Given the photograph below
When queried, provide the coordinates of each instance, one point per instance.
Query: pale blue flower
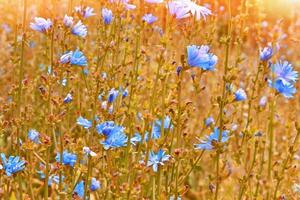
(209, 121)
(95, 184)
(79, 29)
(285, 88)
(78, 58)
(79, 189)
(41, 24)
(34, 136)
(112, 95)
(54, 179)
(199, 56)
(284, 70)
(187, 8)
(68, 21)
(240, 95)
(157, 159)
(84, 122)
(13, 165)
(156, 128)
(149, 18)
(154, 1)
(65, 58)
(88, 12)
(68, 98)
(263, 101)
(136, 138)
(266, 53)
(107, 16)
(67, 158)
(87, 151)
(114, 135)
(207, 143)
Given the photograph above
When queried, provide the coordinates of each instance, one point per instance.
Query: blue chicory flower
(209, 121)
(199, 56)
(79, 29)
(114, 135)
(67, 158)
(13, 165)
(78, 58)
(68, 21)
(34, 136)
(240, 95)
(107, 16)
(84, 122)
(149, 18)
(112, 95)
(95, 184)
(68, 98)
(157, 159)
(266, 53)
(79, 189)
(41, 24)
(207, 143)
(287, 89)
(284, 70)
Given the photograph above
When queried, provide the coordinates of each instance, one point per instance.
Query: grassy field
(149, 99)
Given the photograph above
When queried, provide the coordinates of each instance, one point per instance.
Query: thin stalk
(287, 161)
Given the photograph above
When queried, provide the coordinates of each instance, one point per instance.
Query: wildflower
(285, 71)
(207, 143)
(65, 58)
(85, 13)
(68, 98)
(149, 18)
(79, 189)
(156, 128)
(64, 82)
(266, 53)
(13, 165)
(285, 88)
(125, 3)
(124, 93)
(112, 95)
(79, 29)
(209, 121)
(199, 56)
(88, 12)
(154, 1)
(135, 139)
(41, 24)
(263, 101)
(54, 179)
(67, 158)
(84, 122)
(240, 95)
(95, 184)
(114, 135)
(34, 136)
(89, 152)
(186, 8)
(107, 16)
(68, 21)
(157, 159)
(78, 58)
